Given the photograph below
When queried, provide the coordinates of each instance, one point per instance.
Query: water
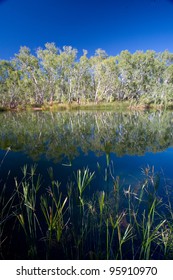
(111, 144)
(68, 141)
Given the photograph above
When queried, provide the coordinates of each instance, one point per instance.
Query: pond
(119, 150)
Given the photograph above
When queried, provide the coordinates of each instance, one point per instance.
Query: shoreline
(118, 105)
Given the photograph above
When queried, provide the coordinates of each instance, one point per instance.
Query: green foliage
(27, 192)
(58, 75)
(140, 229)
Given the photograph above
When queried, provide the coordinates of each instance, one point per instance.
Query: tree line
(54, 75)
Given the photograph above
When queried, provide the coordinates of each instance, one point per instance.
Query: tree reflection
(62, 134)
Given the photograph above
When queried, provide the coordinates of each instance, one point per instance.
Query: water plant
(58, 222)
(6, 214)
(27, 191)
(83, 179)
(53, 209)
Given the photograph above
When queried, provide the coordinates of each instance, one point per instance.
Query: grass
(6, 214)
(140, 105)
(27, 191)
(83, 179)
(58, 224)
(91, 106)
(118, 105)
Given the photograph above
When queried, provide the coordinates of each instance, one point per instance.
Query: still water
(122, 149)
(109, 143)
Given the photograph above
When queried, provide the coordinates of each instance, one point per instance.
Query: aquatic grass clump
(150, 231)
(27, 190)
(57, 222)
(113, 230)
(83, 179)
(7, 213)
(145, 215)
(6, 207)
(53, 209)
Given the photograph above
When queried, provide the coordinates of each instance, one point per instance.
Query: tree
(51, 69)
(67, 60)
(56, 75)
(81, 80)
(9, 84)
(32, 75)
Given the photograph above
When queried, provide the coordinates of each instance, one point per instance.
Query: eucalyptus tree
(57, 75)
(32, 75)
(141, 67)
(4, 65)
(167, 77)
(109, 80)
(67, 60)
(81, 79)
(51, 69)
(141, 76)
(129, 79)
(153, 76)
(97, 71)
(10, 85)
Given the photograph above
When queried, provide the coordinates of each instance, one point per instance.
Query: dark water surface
(127, 142)
(123, 147)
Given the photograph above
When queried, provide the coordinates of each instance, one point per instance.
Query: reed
(101, 201)
(53, 207)
(72, 225)
(6, 214)
(27, 191)
(83, 179)
(123, 238)
(151, 234)
(115, 231)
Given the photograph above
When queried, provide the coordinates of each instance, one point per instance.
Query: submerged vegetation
(126, 223)
(57, 76)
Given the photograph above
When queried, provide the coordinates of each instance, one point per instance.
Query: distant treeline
(58, 75)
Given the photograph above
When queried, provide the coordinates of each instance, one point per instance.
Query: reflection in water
(62, 134)
(119, 149)
(108, 142)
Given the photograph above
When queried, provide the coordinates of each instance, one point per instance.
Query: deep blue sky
(112, 25)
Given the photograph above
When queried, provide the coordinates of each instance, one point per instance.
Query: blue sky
(113, 25)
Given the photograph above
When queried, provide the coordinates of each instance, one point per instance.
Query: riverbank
(117, 105)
